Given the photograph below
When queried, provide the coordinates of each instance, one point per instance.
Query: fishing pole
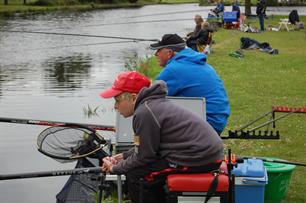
(78, 45)
(76, 171)
(168, 13)
(55, 123)
(271, 121)
(122, 23)
(79, 35)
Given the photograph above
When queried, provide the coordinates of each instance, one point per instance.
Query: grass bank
(257, 82)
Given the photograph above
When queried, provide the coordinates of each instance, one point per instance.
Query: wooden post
(24, 1)
(5, 2)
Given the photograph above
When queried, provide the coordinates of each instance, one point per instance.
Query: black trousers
(143, 191)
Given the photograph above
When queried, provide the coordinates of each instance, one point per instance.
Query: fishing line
(79, 35)
(91, 44)
(123, 23)
(168, 13)
(79, 45)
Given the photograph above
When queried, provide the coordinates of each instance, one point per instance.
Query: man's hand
(107, 165)
(110, 162)
(117, 158)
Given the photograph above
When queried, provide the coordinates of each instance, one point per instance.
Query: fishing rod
(169, 13)
(67, 143)
(271, 121)
(122, 23)
(283, 109)
(79, 35)
(55, 123)
(76, 171)
(77, 45)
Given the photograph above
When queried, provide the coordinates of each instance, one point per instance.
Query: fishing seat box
(251, 178)
(192, 188)
(229, 17)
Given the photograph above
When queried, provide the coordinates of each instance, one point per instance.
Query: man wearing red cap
(166, 137)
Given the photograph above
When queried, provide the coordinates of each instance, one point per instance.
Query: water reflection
(67, 73)
(1, 81)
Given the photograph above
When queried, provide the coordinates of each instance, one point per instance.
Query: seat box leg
(171, 198)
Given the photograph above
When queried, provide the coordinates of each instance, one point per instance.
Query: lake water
(50, 77)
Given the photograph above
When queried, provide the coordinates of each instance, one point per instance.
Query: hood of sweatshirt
(157, 90)
(189, 55)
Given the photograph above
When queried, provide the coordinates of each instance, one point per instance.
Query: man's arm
(146, 150)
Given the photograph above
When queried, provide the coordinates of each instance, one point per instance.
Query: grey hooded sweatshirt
(164, 130)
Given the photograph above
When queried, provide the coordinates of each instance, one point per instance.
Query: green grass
(147, 66)
(15, 2)
(259, 81)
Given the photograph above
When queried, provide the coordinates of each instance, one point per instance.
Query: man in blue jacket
(187, 74)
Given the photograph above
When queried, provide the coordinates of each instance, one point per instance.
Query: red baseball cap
(130, 81)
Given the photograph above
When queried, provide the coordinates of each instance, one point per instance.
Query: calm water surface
(48, 77)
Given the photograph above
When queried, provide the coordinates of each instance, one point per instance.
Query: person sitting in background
(192, 36)
(236, 8)
(202, 38)
(219, 10)
(294, 17)
(198, 21)
(188, 75)
(167, 138)
(205, 39)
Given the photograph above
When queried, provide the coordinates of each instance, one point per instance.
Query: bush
(44, 3)
(71, 2)
(132, 1)
(272, 2)
(55, 2)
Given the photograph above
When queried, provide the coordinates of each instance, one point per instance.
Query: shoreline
(12, 9)
(30, 9)
(20, 9)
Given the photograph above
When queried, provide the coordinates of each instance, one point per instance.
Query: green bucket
(279, 176)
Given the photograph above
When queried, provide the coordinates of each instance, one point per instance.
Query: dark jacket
(219, 8)
(248, 43)
(261, 8)
(236, 7)
(165, 130)
(201, 38)
(195, 32)
(294, 17)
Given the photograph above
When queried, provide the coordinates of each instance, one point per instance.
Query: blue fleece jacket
(187, 74)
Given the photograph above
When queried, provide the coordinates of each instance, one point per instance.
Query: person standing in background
(261, 12)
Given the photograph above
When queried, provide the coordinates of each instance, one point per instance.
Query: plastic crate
(250, 181)
(229, 17)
